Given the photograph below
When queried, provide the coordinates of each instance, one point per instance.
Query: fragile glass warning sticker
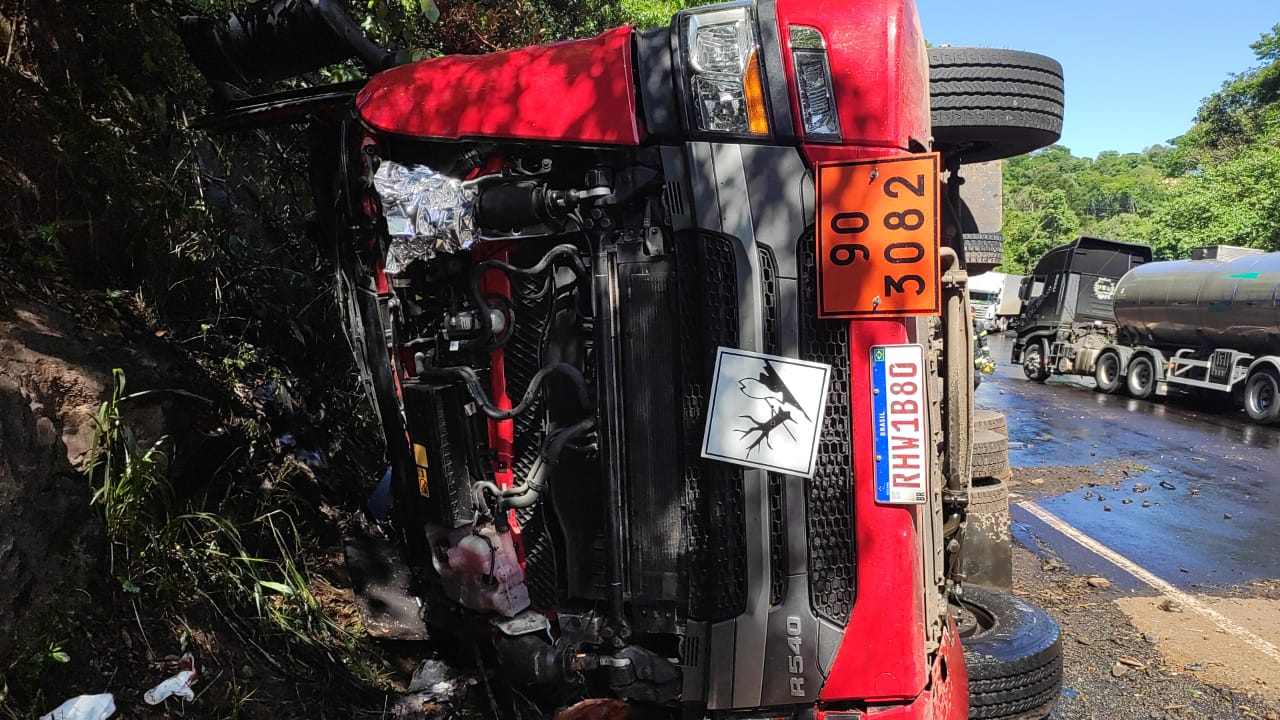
(766, 411)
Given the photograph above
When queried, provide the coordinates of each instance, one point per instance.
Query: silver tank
(1222, 298)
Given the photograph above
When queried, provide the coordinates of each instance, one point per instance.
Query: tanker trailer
(1210, 323)
(1066, 316)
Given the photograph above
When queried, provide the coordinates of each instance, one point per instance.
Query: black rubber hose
(566, 249)
(539, 475)
(472, 380)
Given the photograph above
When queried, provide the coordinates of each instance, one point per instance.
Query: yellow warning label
(420, 459)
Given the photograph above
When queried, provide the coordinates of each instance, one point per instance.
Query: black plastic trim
(655, 80)
(775, 75)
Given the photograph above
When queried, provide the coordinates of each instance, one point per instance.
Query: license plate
(900, 415)
(877, 237)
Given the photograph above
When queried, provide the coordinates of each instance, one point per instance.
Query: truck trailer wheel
(990, 458)
(1262, 396)
(1013, 652)
(988, 104)
(1106, 372)
(1141, 380)
(1033, 356)
(984, 419)
(983, 252)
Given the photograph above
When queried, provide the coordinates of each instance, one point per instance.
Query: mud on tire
(1013, 654)
(990, 455)
(989, 104)
(984, 419)
(983, 252)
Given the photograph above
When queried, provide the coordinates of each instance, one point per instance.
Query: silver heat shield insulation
(427, 213)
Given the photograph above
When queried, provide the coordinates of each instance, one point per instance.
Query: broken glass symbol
(780, 401)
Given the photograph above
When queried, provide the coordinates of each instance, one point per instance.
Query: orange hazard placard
(877, 235)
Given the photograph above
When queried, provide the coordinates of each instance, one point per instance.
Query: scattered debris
(1126, 501)
(1141, 487)
(434, 688)
(1195, 491)
(1153, 639)
(1168, 485)
(436, 679)
(1146, 503)
(176, 686)
(1193, 667)
(85, 707)
(1170, 605)
(1037, 481)
(1132, 662)
(1226, 516)
(1106, 508)
(1099, 582)
(596, 709)
(1120, 669)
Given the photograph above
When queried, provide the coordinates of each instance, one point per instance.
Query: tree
(1036, 221)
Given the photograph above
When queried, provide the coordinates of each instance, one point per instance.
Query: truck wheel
(987, 552)
(1106, 372)
(1033, 366)
(1141, 380)
(1013, 652)
(990, 457)
(1262, 396)
(984, 419)
(983, 252)
(989, 104)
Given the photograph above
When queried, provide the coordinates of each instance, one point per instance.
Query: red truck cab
(594, 285)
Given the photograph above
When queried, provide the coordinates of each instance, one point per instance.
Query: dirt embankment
(55, 372)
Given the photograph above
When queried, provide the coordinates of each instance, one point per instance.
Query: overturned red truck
(669, 337)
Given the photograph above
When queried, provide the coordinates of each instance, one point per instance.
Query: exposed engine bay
(538, 370)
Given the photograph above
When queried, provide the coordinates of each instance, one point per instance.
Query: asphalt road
(1177, 508)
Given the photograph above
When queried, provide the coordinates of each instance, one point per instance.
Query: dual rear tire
(1262, 396)
(1139, 380)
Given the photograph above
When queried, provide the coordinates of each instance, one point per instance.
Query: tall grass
(248, 571)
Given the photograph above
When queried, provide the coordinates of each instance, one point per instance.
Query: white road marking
(1164, 588)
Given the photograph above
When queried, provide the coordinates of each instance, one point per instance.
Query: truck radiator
(830, 493)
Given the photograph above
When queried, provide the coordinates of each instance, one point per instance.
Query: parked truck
(1210, 324)
(1067, 315)
(1009, 307)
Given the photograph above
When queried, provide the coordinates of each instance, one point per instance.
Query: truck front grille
(714, 517)
(829, 494)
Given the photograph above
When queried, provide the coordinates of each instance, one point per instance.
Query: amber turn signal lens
(753, 87)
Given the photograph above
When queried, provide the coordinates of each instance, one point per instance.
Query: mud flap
(384, 589)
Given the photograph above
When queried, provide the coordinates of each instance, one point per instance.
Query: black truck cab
(1067, 303)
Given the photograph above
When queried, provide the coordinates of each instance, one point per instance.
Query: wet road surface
(1177, 505)
(1200, 467)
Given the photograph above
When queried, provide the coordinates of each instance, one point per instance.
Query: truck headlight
(813, 81)
(721, 55)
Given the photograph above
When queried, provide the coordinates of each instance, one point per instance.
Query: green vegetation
(1217, 184)
(114, 210)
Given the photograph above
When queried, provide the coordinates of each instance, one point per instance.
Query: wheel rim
(1107, 371)
(1032, 360)
(1263, 398)
(1141, 373)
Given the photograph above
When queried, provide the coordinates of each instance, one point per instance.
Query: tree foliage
(1217, 184)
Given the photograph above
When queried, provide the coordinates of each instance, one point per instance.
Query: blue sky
(1136, 70)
